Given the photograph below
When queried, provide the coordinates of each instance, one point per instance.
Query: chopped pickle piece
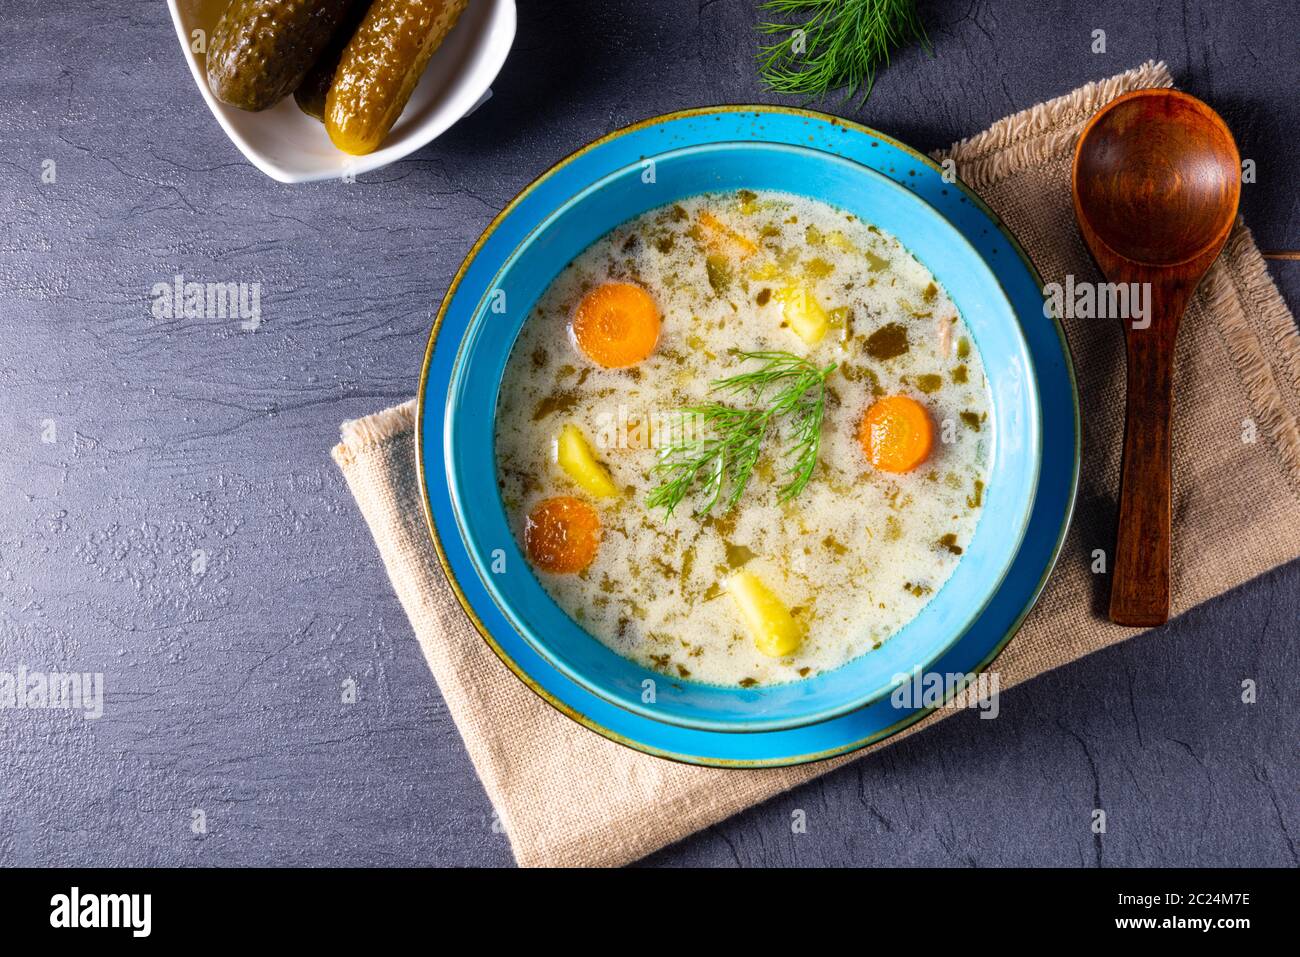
(841, 321)
(863, 374)
(719, 272)
(808, 320)
(929, 382)
(774, 630)
(835, 545)
(887, 342)
(574, 455)
(949, 542)
(561, 401)
(738, 555)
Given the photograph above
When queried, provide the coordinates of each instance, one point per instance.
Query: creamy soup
(785, 523)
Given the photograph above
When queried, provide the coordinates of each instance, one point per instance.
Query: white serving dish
(289, 146)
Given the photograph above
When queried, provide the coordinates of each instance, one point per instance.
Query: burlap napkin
(569, 797)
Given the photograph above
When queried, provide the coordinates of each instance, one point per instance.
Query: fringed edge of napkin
(1026, 138)
(1255, 321)
(357, 436)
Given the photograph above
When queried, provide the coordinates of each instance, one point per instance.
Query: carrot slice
(720, 231)
(561, 534)
(616, 325)
(896, 434)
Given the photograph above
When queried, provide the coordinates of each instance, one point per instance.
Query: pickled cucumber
(315, 86)
(261, 49)
(380, 67)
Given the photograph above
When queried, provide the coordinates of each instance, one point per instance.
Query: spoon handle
(1140, 584)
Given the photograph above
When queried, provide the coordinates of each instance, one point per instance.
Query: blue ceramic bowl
(622, 195)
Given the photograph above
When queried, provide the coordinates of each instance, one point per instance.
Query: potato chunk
(769, 622)
(575, 456)
(804, 313)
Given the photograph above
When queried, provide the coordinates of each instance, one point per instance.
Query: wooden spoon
(1156, 182)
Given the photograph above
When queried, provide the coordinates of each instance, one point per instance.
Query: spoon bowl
(1157, 178)
(1156, 182)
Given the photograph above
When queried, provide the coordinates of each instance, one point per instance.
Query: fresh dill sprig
(784, 387)
(834, 44)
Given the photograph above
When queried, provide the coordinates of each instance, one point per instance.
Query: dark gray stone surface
(172, 438)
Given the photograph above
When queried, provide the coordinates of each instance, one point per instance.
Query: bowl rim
(530, 632)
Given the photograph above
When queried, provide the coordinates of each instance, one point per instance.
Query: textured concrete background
(194, 435)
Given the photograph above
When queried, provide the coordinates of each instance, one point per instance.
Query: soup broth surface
(859, 551)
